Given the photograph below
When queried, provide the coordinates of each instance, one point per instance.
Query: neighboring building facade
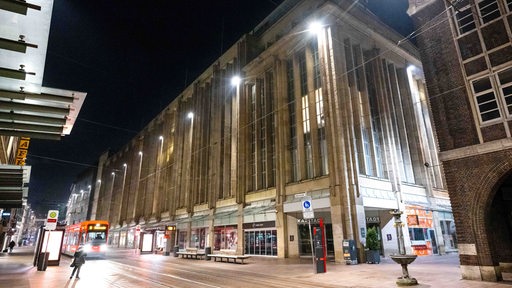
(467, 54)
(27, 109)
(79, 204)
(339, 115)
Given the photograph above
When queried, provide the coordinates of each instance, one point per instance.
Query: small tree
(372, 240)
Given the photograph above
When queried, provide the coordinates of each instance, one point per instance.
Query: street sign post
(51, 220)
(307, 208)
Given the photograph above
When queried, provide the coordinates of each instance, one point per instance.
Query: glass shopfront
(261, 242)
(260, 238)
(182, 239)
(198, 238)
(122, 239)
(305, 237)
(130, 239)
(225, 237)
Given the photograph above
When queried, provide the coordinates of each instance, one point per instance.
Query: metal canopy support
(17, 46)
(14, 74)
(17, 6)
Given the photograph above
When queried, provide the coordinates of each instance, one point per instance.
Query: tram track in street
(199, 275)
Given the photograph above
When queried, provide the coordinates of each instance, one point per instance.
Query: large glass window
(261, 242)
(464, 16)
(262, 183)
(419, 234)
(271, 122)
(486, 99)
(320, 116)
(489, 10)
(303, 73)
(292, 119)
(305, 238)
(251, 161)
(198, 238)
(225, 237)
(505, 80)
(182, 239)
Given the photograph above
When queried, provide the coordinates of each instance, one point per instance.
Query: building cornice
(475, 150)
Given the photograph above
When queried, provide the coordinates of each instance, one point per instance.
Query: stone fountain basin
(404, 259)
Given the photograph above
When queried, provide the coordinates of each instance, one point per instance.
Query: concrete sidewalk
(17, 271)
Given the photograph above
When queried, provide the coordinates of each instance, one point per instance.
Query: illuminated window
(292, 119)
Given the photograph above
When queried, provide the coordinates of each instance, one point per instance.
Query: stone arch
(486, 224)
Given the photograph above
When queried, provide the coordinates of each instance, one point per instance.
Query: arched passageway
(499, 226)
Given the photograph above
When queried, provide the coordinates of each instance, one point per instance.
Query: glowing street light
(235, 80)
(315, 27)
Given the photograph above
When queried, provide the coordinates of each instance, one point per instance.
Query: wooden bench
(227, 257)
(190, 253)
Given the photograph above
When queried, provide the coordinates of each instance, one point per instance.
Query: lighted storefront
(225, 237)
(198, 237)
(260, 238)
(421, 230)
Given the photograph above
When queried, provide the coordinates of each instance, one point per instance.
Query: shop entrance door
(305, 239)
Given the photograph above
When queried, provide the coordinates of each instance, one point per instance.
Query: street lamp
(315, 27)
(235, 81)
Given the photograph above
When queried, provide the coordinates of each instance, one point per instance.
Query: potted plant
(372, 246)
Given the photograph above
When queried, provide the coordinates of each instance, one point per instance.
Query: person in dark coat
(11, 245)
(78, 261)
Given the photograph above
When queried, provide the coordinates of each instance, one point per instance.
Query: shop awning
(13, 185)
(46, 115)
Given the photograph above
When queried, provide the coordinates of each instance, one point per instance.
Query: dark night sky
(132, 58)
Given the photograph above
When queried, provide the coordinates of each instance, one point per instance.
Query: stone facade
(471, 105)
(339, 115)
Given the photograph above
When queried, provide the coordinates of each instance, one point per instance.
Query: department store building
(337, 113)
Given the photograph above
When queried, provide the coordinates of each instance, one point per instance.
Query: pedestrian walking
(11, 245)
(78, 261)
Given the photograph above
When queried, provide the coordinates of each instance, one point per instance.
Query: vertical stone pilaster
(240, 247)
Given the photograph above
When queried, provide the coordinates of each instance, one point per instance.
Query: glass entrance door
(261, 242)
(305, 239)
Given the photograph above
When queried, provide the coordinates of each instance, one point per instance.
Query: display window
(225, 237)
(261, 242)
(198, 238)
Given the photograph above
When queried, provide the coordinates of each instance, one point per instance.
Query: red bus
(92, 235)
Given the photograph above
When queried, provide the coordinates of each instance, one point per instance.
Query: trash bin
(207, 251)
(176, 250)
(42, 261)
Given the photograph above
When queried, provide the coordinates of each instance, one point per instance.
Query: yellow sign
(22, 152)
(24, 142)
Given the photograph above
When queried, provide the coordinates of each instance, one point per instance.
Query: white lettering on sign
(373, 219)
